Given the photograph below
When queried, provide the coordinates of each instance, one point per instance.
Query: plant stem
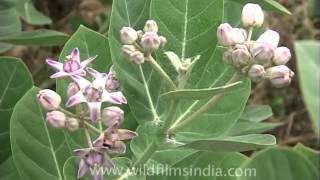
(250, 30)
(203, 109)
(162, 73)
(92, 127)
(86, 132)
(146, 154)
(171, 115)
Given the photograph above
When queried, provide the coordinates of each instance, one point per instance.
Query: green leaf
(15, 81)
(311, 155)
(10, 24)
(256, 113)
(225, 144)
(30, 14)
(42, 37)
(122, 166)
(278, 163)
(39, 151)
(204, 166)
(174, 59)
(196, 94)
(266, 4)
(90, 43)
(243, 127)
(308, 58)
(8, 170)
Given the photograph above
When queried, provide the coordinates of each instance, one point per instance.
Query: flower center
(92, 94)
(71, 66)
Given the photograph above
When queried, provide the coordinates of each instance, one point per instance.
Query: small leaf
(225, 144)
(256, 113)
(278, 163)
(313, 156)
(42, 37)
(243, 127)
(174, 59)
(30, 14)
(266, 4)
(308, 67)
(196, 94)
(15, 81)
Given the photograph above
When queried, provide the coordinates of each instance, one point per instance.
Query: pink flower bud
(281, 56)
(128, 35)
(256, 72)
(73, 88)
(48, 99)
(137, 57)
(241, 56)
(150, 26)
(72, 124)
(228, 36)
(150, 41)
(262, 52)
(271, 37)
(252, 15)
(112, 115)
(128, 49)
(227, 56)
(280, 76)
(56, 119)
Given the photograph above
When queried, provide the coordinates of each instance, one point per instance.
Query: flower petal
(76, 99)
(82, 169)
(94, 73)
(95, 111)
(75, 55)
(114, 97)
(82, 83)
(55, 64)
(100, 81)
(86, 62)
(124, 134)
(79, 72)
(118, 148)
(59, 74)
(81, 152)
(97, 175)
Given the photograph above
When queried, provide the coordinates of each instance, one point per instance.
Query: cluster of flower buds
(139, 44)
(104, 87)
(260, 59)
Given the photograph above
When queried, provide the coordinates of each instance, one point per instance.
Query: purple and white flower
(71, 66)
(94, 94)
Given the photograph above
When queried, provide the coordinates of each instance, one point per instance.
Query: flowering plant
(166, 88)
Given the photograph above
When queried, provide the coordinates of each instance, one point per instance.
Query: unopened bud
(281, 56)
(227, 56)
(73, 88)
(150, 41)
(150, 26)
(252, 15)
(262, 53)
(128, 35)
(128, 49)
(137, 57)
(56, 119)
(48, 99)
(163, 41)
(280, 76)
(72, 124)
(271, 37)
(228, 36)
(241, 56)
(112, 115)
(256, 72)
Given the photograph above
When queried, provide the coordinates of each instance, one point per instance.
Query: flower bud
(271, 37)
(227, 56)
(128, 49)
(280, 76)
(48, 99)
(228, 36)
(281, 56)
(252, 15)
(163, 41)
(150, 26)
(241, 56)
(72, 124)
(150, 41)
(56, 119)
(128, 35)
(137, 57)
(73, 88)
(112, 115)
(262, 52)
(256, 73)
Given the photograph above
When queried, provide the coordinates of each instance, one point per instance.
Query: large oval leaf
(15, 81)
(39, 151)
